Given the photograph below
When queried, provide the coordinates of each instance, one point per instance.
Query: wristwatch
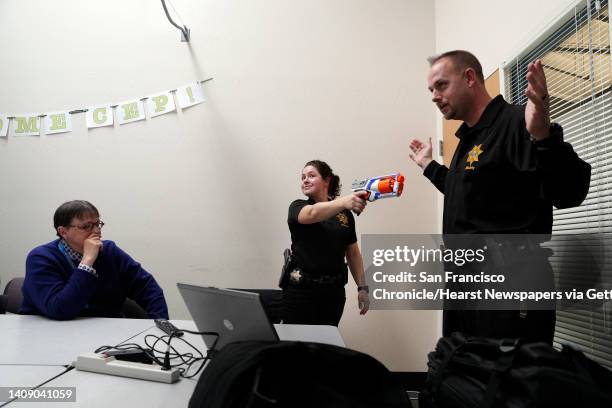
(365, 287)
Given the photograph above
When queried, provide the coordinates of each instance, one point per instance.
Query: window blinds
(575, 53)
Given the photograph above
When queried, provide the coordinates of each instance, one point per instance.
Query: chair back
(132, 310)
(13, 292)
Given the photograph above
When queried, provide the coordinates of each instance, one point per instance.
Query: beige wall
(202, 196)
(492, 30)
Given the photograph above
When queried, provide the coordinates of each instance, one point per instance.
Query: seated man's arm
(49, 291)
(142, 286)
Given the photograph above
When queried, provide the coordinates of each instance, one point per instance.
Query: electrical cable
(169, 357)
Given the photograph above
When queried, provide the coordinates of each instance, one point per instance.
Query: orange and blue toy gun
(387, 186)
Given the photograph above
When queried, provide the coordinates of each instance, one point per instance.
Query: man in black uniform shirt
(510, 167)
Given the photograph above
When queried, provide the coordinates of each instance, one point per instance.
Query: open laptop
(234, 314)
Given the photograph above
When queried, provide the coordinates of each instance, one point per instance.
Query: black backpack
(484, 373)
(254, 374)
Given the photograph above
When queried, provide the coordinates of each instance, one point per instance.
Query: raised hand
(91, 248)
(537, 112)
(421, 152)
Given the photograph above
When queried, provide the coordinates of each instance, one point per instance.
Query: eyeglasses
(89, 226)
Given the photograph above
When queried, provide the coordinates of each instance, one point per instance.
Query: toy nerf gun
(390, 185)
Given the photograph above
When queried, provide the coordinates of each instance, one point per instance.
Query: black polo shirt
(499, 181)
(320, 248)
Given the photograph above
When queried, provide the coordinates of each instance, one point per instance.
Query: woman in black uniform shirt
(322, 235)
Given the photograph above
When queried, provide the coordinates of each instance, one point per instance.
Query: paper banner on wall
(58, 122)
(99, 115)
(4, 122)
(190, 95)
(27, 124)
(130, 111)
(160, 104)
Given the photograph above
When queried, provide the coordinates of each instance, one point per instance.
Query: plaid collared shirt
(74, 255)
(77, 257)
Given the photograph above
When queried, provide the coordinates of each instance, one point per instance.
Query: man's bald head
(461, 60)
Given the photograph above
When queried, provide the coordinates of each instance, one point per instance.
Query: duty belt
(297, 276)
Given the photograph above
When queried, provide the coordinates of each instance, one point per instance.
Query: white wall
(201, 196)
(492, 30)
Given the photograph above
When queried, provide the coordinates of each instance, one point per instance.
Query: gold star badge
(343, 219)
(473, 157)
(295, 275)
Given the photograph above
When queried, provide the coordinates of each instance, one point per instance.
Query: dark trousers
(527, 269)
(316, 304)
(536, 326)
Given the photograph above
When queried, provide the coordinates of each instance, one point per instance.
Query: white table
(54, 342)
(37, 340)
(99, 390)
(304, 332)
(26, 376)
(290, 332)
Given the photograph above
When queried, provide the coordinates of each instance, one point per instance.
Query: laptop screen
(235, 315)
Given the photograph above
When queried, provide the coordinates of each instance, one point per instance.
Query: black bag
(476, 372)
(254, 374)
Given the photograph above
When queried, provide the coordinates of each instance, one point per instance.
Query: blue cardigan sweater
(55, 288)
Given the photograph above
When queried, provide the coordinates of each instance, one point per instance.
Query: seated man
(81, 275)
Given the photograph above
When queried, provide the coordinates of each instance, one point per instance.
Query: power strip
(99, 363)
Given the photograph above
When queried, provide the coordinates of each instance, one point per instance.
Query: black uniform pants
(535, 273)
(535, 326)
(313, 304)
